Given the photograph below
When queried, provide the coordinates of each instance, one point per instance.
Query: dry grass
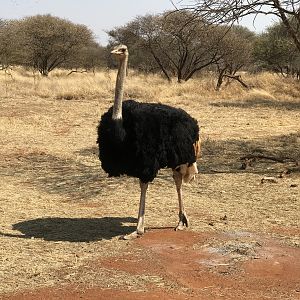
(150, 87)
(59, 211)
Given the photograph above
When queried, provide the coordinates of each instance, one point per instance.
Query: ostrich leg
(183, 219)
(140, 225)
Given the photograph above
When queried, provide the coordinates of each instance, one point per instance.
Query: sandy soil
(61, 217)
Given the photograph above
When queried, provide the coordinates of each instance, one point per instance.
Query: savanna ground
(61, 217)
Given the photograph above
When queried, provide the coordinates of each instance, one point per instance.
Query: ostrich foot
(183, 221)
(133, 235)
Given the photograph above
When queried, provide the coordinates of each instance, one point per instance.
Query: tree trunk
(179, 76)
(161, 65)
(220, 79)
(44, 72)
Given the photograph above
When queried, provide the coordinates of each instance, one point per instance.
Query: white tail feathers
(197, 148)
(188, 172)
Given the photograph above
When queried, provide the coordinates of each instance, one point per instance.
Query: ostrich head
(120, 51)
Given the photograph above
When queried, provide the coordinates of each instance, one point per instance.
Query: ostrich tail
(197, 148)
(188, 172)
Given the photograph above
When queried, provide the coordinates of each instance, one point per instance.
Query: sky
(99, 15)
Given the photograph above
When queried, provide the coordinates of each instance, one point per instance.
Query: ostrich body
(138, 139)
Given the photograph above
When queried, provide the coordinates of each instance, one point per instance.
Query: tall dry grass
(150, 87)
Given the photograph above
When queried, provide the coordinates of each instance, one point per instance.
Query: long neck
(117, 109)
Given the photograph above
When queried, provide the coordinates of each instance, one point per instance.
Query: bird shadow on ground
(73, 229)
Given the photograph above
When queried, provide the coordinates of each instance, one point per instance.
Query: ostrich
(138, 139)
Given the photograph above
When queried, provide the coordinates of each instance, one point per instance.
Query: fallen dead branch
(293, 169)
(250, 159)
(238, 78)
(77, 71)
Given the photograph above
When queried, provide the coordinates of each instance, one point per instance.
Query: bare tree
(179, 45)
(189, 45)
(229, 11)
(237, 53)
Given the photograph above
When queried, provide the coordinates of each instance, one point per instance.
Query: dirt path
(236, 265)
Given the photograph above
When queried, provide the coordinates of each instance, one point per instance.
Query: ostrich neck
(117, 109)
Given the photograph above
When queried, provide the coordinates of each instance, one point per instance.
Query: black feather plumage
(149, 137)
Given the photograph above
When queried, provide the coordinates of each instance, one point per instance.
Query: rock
(269, 179)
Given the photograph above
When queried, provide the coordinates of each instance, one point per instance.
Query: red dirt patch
(91, 294)
(287, 231)
(236, 265)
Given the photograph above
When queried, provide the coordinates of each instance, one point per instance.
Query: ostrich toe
(132, 236)
(183, 221)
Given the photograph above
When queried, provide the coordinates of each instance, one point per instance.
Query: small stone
(268, 179)
(223, 218)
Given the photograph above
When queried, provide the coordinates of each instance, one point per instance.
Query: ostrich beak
(114, 51)
(120, 50)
